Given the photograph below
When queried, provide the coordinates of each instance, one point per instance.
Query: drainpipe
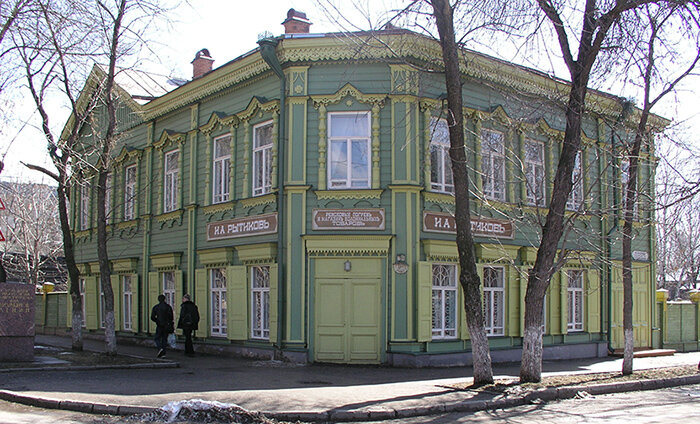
(269, 54)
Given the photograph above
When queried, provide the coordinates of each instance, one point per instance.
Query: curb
(377, 414)
(151, 365)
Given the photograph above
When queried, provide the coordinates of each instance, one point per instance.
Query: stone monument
(16, 322)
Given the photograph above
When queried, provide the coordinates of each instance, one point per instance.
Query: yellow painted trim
(257, 253)
(266, 199)
(356, 245)
(496, 252)
(440, 250)
(348, 194)
(129, 265)
(220, 256)
(218, 207)
(176, 214)
(166, 261)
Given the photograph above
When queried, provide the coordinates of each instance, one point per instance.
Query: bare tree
(32, 233)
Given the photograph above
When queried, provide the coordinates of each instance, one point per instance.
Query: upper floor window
(84, 207)
(534, 172)
(130, 193)
(262, 159)
(493, 165)
(222, 169)
(494, 301)
(260, 297)
(575, 292)
(108, 197)
(575, 200)
(349, 149)
(624, 179)
(171, 181)
(444, 301)
(440, 163)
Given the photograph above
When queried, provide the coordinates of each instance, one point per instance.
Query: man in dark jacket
(162, 315)
(188, 321)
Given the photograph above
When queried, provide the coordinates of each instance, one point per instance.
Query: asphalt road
(675, 405)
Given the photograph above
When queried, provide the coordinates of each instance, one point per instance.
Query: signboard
(242, 227)
(348, 219)
(640, 255)
(437, 222)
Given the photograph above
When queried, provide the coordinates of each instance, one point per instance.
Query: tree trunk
(540, 276)
(73, 273)
(469, 277)
(105, 269)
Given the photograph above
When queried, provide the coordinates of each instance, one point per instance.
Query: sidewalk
(307, 393)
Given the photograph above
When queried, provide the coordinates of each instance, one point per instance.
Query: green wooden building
(302, 194)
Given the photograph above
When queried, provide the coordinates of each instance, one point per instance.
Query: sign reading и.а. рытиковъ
(242, 227)
(436, 222)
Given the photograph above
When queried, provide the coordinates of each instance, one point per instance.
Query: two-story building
(310, 215)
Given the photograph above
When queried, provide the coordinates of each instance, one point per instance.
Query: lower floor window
(169, 288)
(81, 287)
(494, 300)
(103, 307)
(217, 285)
(127, 296)
(260, 298)
(444, 301)
(575, 291)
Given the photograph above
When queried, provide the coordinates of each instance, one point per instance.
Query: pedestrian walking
(162, 315)
(188, 322)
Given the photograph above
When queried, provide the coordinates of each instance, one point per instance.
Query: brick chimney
(201, 64)
(296, 23)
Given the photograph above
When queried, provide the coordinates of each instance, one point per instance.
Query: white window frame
(442, 295)
(349, 182)
(262, 160)
(84, 206)
(221, 170)
(108, 197)
(488, 159)
(127, 302)
(575, 300)
(102, 305)
(81, 289)
(624, 178)
(217, 293)
(260, 302)
(441, 178)
(130, 193)
(494, 302)
(535, 174)
(171, 181)
(575, 200)
(168, 288)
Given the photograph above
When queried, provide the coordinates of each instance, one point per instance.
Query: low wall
(679, 323)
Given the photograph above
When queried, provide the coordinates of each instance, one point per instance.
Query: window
(493, 165)
(262, 159)
(127, 296)
(130, 193)
(494, 299)
(217, 279)
(108, 197)
(575, 290)
(349, 149)
(222, 169)
(81, 288)
(624, 179)
(440, 163)
(534, 172)
(168, 288)
(84, 207)
(576, 196)
(444, 301)
(261, 302)
(171, 181)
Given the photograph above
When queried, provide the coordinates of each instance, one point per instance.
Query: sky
(229, 28)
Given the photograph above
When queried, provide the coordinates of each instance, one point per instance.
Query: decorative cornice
(218, 207)
(350, 245)
(168, 137)
(349, 90)
(219, 119)
(250, 202)
(441, 198)
(128, 153)
(258, 104)
(348, 194)
(257, 253)
(170, 218)
(125, 225)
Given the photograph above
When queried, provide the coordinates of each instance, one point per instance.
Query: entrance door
(347, 311)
